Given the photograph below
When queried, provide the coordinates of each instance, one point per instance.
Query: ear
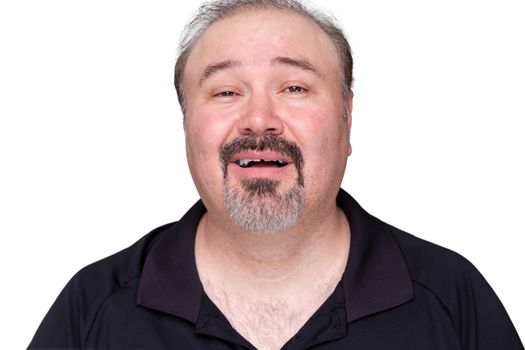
(349, 106)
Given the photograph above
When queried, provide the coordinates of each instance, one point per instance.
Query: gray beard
(258, 207)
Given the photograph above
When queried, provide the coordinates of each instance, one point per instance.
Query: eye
(225, 94)
(295, 89)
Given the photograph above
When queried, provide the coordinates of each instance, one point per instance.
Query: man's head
(213, 11)
(267, 103)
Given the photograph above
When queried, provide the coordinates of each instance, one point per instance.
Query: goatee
(258, 206)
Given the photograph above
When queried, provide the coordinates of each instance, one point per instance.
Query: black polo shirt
(397, 292)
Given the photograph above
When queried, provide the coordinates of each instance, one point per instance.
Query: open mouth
(263, 163)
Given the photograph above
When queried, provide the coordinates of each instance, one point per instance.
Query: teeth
(247, 162)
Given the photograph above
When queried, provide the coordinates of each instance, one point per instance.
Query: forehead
(256, 36)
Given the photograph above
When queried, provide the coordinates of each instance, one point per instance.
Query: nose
(260, 117)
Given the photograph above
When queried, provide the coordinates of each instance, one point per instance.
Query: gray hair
(212, 11)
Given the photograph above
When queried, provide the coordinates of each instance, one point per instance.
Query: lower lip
(255, 171)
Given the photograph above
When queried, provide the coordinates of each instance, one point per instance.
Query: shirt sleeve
(68, 322)
(480, 318)
(61, 328)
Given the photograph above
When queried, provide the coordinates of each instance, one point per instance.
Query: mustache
(266, 143)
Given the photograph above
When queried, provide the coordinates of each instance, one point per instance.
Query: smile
(270, 157)
(248, 163)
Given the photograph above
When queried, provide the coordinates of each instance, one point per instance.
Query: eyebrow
(296, 62)
(213, 68)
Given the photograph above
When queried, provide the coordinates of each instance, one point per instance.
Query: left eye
(226, 94)
(295, 89)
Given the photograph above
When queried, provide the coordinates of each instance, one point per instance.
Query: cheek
(205, 134)
(325, 148)
(321, 130)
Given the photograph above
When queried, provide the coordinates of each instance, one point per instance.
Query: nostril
(265, 132)
(248, 132)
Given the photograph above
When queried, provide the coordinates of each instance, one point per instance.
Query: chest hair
(268, 323)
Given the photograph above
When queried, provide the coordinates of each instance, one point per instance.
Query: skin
(261, 94)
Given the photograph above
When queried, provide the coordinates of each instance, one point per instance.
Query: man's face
(266, 139)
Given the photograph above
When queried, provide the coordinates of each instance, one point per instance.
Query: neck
(260, 263)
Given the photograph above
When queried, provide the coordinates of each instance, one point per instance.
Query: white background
(92, 148)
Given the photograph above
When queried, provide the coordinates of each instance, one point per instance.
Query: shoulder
(115, 271)
(425, 258)
(446, 275)
(479, 317)
(436, 268)
(74, 311)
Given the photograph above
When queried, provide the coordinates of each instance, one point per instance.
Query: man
(274, 255)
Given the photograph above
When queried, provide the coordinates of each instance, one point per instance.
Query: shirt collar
(376, 277)
(169, 281)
